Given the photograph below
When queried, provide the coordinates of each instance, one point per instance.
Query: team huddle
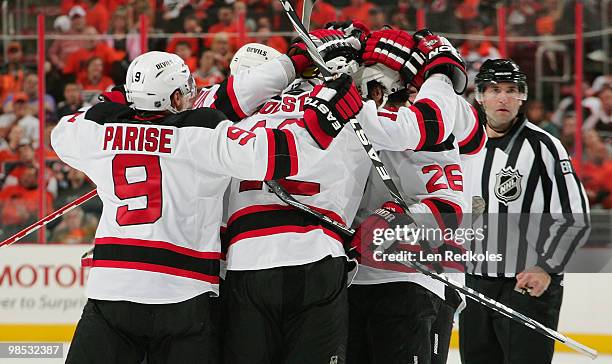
(196, 260)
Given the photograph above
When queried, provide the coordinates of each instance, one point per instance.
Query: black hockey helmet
(498, 71)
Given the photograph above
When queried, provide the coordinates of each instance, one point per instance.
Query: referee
(536, 216)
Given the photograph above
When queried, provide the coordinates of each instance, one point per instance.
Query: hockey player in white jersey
(396, 314)
(285, 288)
(161, 171)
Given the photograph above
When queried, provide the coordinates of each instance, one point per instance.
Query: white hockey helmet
(251, 55)
(153, 77)
(389, 79)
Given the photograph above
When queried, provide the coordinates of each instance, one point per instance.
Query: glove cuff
(322, 133)
(298, 55)
(452, 69)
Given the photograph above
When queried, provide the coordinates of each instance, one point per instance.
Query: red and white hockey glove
(338, 52)
(392, 48)
(329, 107)
(439, 57)
(116, 94)
(370, 234)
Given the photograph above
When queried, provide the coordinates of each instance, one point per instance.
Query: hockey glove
(329, 107)
(377, 230)
(392, 48)
(354, 28)
(439, 57)
(338, 52)
(116, 94)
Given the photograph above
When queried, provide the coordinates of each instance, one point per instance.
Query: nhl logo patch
(508, 185)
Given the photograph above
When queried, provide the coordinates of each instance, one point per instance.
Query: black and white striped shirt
(537, 209)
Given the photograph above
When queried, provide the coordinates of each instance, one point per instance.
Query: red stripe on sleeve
(421, 123)
(233, 99)
(481, 145)
(429, 202)
(271, 154)
(388, 115)
(312, 124)
(474, 129)
(438, 118)
(293, 156)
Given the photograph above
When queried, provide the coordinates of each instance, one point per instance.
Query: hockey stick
(468, 292)
(505, 310)
(291, 201)
(307, 12)
(47, 219)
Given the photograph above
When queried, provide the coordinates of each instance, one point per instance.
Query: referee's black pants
(398, 322)
(486, 336)
(121, 332)
(294, 314)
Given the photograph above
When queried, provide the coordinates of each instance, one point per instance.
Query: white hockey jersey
(263, 232)
(161, 182)
(420, 145)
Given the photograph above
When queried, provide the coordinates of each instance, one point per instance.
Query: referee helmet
(495, 71)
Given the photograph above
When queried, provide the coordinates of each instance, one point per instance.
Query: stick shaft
(47, 219)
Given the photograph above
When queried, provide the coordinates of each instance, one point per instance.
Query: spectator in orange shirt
(359, 9)
(467, 10)
(75, 228)
(74, 186)
(475, 52)
(12, 73)
(30, 87)
(93, 82)
(98, 15)
(222, 50)
(322, 14)
(183, 50)
(277, 42)
(208, 74)
(61, 48)
(112, 5)
(190, 25)
(66, 5)
(19, 203)
(596, 170)
(21, 114)
(376, 18)
(26, 158)
(9, 144)
(73, 100)
(94, 47)
(226, 24)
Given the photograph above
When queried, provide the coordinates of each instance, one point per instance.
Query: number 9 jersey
(161, 181)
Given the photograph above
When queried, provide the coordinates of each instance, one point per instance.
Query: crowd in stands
(100, 38)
